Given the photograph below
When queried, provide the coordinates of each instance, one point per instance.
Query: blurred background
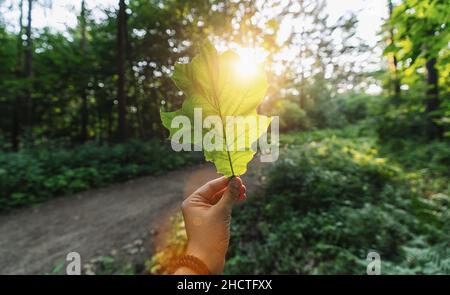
(361, 88)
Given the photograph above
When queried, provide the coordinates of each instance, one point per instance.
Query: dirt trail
(34, 240)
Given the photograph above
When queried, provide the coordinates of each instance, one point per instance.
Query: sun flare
(249, 60)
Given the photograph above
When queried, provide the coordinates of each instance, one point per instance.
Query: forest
(364, 124)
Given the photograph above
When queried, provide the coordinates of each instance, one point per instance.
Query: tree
(420, 37)
(432, 100)
(392, 59)
(121, 64)
(83, 90)
(19, 73)
(28, 70)
(326, 59)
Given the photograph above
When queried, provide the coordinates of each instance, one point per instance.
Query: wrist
(212, 259)
(184, 271)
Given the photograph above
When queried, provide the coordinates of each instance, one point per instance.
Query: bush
(413, 155)
(292, 117)
(327, 203)
(356, 107)
(35, 175)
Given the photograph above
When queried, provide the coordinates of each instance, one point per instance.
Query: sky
(63, 13)
(58, 15)
(370, 15)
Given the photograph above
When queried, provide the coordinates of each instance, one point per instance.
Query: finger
(213, 187)
(242, 193)
(217, 196)
(231, 194)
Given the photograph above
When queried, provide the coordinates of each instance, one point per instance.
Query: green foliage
(164, 260)
(327, 203)
(356, 107)
(336, 112)
(420, 23)
(330, 200)
(432, 157)
(103, 265)
(292, 117)
(34, 175)
(396, 121)
(69, 64)
(418, 51)
(110, 265)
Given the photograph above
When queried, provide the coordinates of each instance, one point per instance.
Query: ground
(122, 219)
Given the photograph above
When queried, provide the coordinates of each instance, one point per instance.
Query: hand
(207, 216)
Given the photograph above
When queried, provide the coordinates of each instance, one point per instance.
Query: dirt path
(92, 223)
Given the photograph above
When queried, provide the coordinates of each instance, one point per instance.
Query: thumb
(231, 194)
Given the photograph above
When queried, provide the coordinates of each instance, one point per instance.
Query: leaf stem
(226, 145)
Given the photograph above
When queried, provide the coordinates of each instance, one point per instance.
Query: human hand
(207, 216)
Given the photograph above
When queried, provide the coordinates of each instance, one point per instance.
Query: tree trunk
(395, 84)
(99, 125)
(121, 48)
(19, 73)
(140, 121)
(302, 57)
(397, 89)
(432, 99)
(28, 71)
(84, 102)
(110, 122)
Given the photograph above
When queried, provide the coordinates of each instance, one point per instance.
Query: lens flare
(249, 60)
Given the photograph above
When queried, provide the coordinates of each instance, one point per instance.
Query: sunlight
(249, 60)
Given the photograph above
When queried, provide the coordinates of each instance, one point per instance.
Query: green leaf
(215, 83)
(390, 48)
